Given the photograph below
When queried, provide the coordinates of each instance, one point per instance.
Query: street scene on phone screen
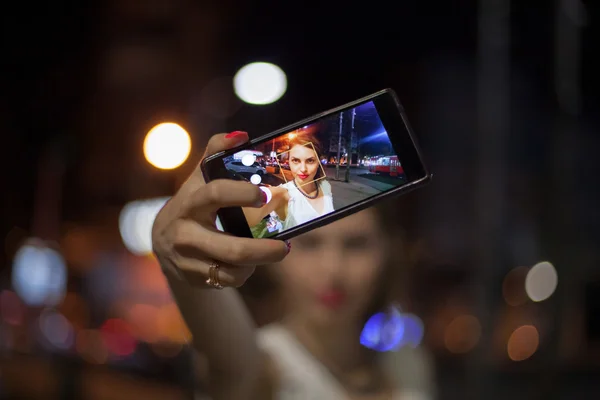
(335, 162)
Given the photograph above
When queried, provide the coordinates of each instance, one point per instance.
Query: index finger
(222, 141)
(222, 193)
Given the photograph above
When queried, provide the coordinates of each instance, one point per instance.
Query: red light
(117, 337)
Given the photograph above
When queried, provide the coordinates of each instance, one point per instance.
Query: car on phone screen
(240, 168)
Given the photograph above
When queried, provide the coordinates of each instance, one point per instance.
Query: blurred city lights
(413, 331)
(167, 146)
(135, 224)
(57, 330)
(39, 274)
(117, 337)
(523, 343)
(171, 325)
(260, 83)
(462, 334)
(541, 281)
(391, 331)
(383, 332)
(144, 321)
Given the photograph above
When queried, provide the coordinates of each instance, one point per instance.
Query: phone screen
(333, 163)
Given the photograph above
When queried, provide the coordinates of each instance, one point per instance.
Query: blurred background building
(503, 96)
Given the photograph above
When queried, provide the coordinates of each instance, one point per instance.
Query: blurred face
(332, 272)
(304, 163)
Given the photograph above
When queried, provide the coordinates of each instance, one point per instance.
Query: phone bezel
(403, 141)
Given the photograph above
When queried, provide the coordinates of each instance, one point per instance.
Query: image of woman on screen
(304, 197)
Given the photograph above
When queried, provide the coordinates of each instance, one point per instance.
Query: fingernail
(263, 198)
(235, 134)
(289, 245)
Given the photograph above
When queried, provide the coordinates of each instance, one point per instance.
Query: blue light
(383, 332)
(39, 274)
(413, 330)
(376, 136)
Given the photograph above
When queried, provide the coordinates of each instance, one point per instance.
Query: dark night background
(514, 153)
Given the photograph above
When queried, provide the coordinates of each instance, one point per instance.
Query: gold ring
(213, 276)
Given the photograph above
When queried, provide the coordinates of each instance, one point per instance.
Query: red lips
(302, 176)
(331, 298)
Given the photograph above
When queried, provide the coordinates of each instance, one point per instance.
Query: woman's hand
(186, 240)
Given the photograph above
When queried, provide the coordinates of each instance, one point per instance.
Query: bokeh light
(413, 330)
(383, 331)
(57, 330)
(523, 343)
(260, 83)
(462, 334)
(39, 274)
(167, 146)
(541, 281)
(135, 224)
(144, 322)
(117, 337)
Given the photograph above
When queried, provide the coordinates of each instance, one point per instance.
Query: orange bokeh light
(523, 343)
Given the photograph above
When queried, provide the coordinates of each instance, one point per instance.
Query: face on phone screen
(328, 165)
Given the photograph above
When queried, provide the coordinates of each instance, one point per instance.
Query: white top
(301, 376)
(299, 208)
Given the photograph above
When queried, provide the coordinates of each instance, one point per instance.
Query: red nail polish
(264, 198)
(235, 134)
(289, 245)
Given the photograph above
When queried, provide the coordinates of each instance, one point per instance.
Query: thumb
(217, 143)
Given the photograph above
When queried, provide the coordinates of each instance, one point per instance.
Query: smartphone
(322, 168)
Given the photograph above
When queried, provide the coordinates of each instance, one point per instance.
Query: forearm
(223, 331)
(255, 215)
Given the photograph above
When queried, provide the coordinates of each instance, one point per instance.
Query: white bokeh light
(260, 83)
(248, 159)
(135, 224)
(167, 146)
(541, 281)
(256, 179)
(39, 275)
